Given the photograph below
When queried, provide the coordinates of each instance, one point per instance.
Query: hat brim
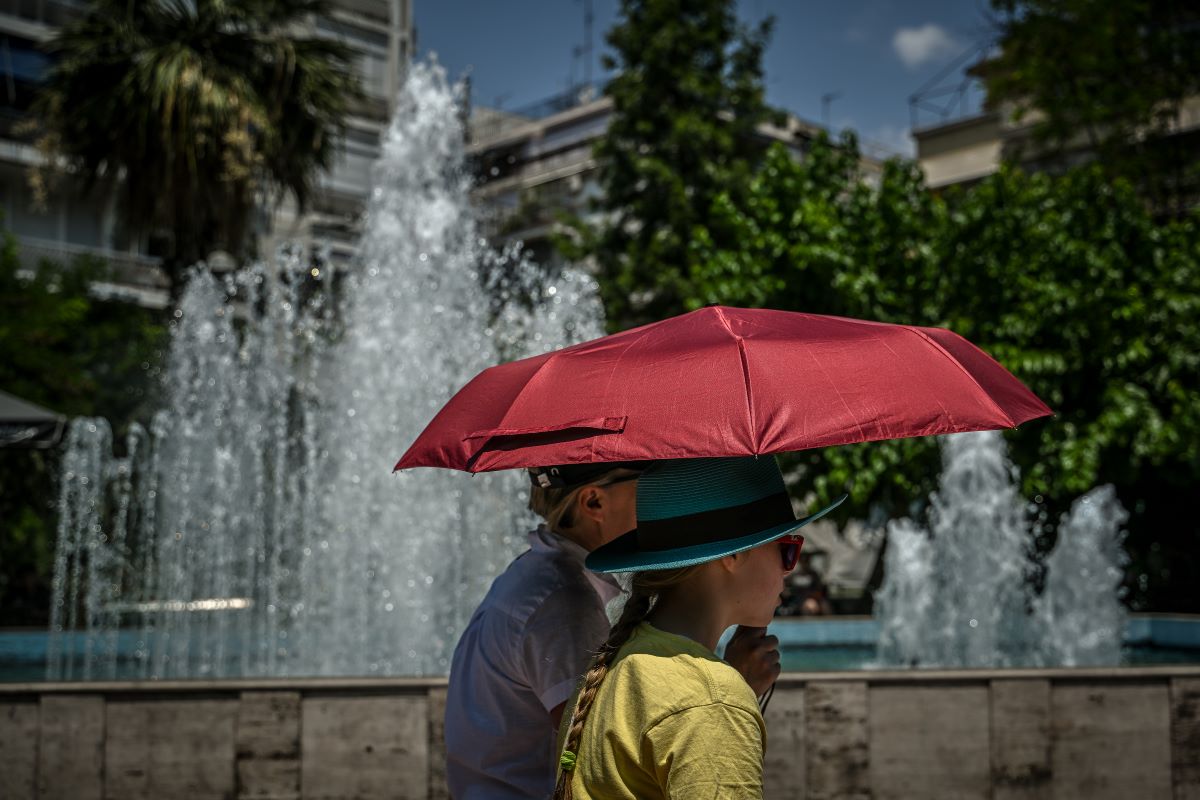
(623, 554)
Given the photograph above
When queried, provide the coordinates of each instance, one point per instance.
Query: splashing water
(257, 529)
(960, 594)
(1079, 614)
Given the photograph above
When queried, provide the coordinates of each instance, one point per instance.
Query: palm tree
(194, 111)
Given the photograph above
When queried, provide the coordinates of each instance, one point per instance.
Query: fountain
(256, 528)
(961, 594)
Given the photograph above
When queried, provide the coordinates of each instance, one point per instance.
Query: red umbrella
(723, 382)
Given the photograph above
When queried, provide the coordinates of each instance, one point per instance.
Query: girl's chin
(758, 622)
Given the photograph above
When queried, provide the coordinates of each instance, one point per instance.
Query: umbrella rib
(741, 343)
(987, 396)
(642, 333)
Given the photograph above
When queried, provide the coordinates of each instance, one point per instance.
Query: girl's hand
(756, 655)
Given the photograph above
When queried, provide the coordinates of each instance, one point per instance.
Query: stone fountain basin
(1099, 734)
(816, 644)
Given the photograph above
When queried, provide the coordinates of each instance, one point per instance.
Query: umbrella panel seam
(745, 361)
(938, 347)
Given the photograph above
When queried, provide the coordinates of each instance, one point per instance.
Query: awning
(23, 424)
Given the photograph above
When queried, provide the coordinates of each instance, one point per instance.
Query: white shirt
(521, 655)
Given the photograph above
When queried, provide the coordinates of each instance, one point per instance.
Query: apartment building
(534, 164)
(961, 140)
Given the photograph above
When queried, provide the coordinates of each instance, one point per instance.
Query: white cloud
(915, 46)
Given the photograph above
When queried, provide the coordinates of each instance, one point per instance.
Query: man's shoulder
(532, 581)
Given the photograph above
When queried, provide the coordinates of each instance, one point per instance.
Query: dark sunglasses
(789, 548)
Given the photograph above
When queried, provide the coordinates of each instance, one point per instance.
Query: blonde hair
(557, 505)
(644, 591)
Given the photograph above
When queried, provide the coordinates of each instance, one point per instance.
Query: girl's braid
(636, 609)
(644, 589)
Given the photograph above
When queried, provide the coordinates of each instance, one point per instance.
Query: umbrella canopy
(23, 424)
(723, 382)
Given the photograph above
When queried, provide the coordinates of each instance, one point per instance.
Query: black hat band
(719, 524)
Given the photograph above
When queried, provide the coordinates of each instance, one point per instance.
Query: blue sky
(873, 53)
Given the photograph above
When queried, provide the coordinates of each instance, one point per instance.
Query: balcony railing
(52, 13)
(131, 269)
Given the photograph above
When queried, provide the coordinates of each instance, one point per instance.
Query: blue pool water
(814, 645)
(849, 644)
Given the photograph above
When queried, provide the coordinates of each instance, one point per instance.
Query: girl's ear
(730, 563)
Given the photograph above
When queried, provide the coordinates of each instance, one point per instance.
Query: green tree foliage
(61, 348)
(193, 111)
(1068, 281)
(687, 100)
(817, 236)
(1108, 75)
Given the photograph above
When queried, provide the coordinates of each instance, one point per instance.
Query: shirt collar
(605, 585)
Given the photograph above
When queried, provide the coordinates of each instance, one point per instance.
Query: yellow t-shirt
(670, 720)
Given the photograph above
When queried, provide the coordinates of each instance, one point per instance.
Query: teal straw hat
(694, 510)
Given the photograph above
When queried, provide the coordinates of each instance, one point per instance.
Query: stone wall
(1063, 734)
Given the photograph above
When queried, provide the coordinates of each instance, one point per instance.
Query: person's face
(760, 583)
(611, 508)
(621, 513)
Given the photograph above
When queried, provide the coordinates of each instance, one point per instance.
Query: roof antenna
(584, 52)
(826, 101)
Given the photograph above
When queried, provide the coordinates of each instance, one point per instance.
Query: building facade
(381, 31)
(71, 224)
(966, 148)
(533, 165)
